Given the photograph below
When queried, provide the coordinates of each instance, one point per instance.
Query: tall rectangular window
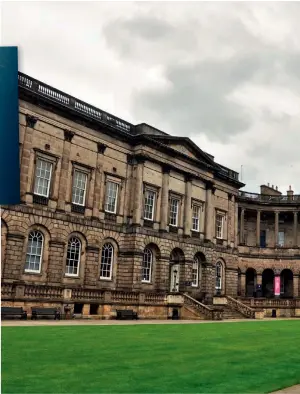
(111, 197)
(174, 208)
(219, 226)
(79, 188)
(149, 205)
(281, 238)
(43, 172)
(196, 218)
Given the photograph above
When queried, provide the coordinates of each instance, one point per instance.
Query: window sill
(106, 279)
(148, 223)
(37, 273)
(71, 276)
(145, 282)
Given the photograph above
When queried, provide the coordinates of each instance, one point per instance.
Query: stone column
(296, 286)
(258, 278)
(295, 229)
(25, 157)
(14, 259)
(162, 273)
(188, 207)
(55, 269)
(243, 284)
(258, 229)
(138, 193)
(236, 224)
(92, 265)
(276, 227)
(98, 180)
(242, 227)
(164, 199)
(64, 173)
(209, 213)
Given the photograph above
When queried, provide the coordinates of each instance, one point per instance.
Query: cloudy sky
(225, 74)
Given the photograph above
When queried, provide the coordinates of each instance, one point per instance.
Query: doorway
(174, 278)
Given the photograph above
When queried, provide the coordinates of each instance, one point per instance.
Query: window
(79, 188)
(149, 205)
(43, 171)
(174, 207)
(107, 256)
(219, 276)
(219, 226)
(281, 238)
(34, 252)
(196, 218)
(195, 272)
(111, 197)
(73, 257)
(147, 265)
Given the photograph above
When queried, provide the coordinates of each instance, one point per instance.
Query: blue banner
(9, 127)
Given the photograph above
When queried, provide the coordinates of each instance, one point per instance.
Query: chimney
(267, 190)
(290, 193)
(277, 188)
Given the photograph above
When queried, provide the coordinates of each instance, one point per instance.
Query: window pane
(43, 172)
(111, 197)
(149, 205)
(79, 188)
(219, 226)
(147, 265)
(196, 218)
(34, 251)
(106, 261)
(73, 256)
(174, 212)
(195, 272)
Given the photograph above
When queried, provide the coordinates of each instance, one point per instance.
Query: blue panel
(9, 127)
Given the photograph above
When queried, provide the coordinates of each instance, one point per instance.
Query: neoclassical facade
(115, 215)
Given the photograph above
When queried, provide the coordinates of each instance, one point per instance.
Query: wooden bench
(45, 312)
(126, 314)
(9, 311)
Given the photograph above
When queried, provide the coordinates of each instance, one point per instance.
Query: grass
(248, 357)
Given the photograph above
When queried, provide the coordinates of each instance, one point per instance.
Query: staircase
(233, 309)
(231, 314)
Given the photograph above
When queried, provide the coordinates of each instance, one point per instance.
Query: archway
(176, 257)
(286, 283)
(268, 283)
(250, 282)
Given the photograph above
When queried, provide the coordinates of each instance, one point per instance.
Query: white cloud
(227, 75)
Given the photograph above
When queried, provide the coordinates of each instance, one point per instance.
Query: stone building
(115, 215)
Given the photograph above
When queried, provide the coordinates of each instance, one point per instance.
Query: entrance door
(174, 278)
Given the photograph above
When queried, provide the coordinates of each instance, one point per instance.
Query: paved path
(289, 390)
(97, 322)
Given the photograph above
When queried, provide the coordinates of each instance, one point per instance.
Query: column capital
(68, 135)
(188, 178)
(31, 120)
(295, 213)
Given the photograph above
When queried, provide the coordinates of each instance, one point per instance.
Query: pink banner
(277, 285)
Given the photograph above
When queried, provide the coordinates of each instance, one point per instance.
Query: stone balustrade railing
(49, 292)
(7, 290)
(269, 303)
(203, 309)
(240, 307)
(153, 298)
(83, 294)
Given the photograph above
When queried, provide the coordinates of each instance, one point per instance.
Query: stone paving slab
(97, 322)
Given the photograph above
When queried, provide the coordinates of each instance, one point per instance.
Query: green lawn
(248, 357)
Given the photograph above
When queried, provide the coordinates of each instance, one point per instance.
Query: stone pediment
(185, 146)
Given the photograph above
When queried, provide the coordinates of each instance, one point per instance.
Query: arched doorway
(268, 283)
(176, 258)
(286, 283)
(250, 282)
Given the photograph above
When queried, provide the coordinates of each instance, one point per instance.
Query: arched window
(147, 265)
(34, 252)
(107, 256)
(195, 272)
(73, 256)
(219, 275)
